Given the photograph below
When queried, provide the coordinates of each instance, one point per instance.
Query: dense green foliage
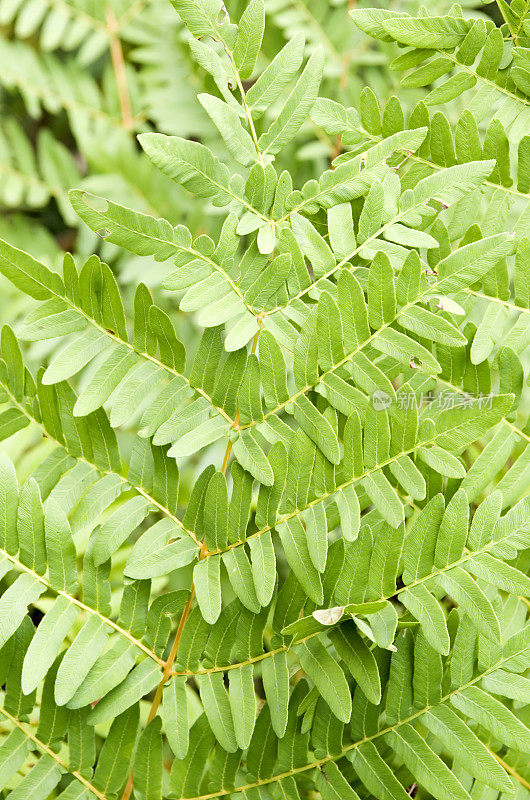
(264, 510)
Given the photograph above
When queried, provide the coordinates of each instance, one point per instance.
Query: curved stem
(168, 666)
(244, 103)
(118, 64)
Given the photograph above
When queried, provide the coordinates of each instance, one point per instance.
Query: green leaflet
(263, 566)
(294, 544)
(432, 326)
(472, 261)
(344, 183)
(13, 752)
(296, 107)
(453, 531)
(408, 475)
(422, 605)
(47, 642)
(475, 603)
(359, 659)
(447, 186)
(81, 656)
(273, 371)
(276, 76)
(30, 527)
(406, 350)
(317, 535)
(205, 19)
(11, 421)
(240, 503)
(108, 671)
(218, 709)
(148, 763)
(445, 31)
(74, 356)
(203, 434)
(382, 627)
(381, 299)
(329, 332)
(207, 580)
(249, 397)
(117, 527)
(442, 461)
(243, 703)
(467, 748)
(375, 774)
(269, 281)
(353, 310)
(317, 428)
(494, 716)
(14, 603)
(431, 771)
(8, 505)
(226, 120)
(275, 675)
(154, 554)
(137, 232)
(384, 497)
(497, 573)
(175, 715)
(421, 538)
(341, 232)
(300, 462)
(28, 274)
(116, 754)
(371, 216)
(216, 512)
(184, 775)
(240, 576)
(313, 245)
(139, 682)
(376, 437)
(40, 781)
(191, 164)
(250, 455)
(507, 684)
(342, 396)
(333, 785)
(327, 676)
(249, 37)
(104, 382)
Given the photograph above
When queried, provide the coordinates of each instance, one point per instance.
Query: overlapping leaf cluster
(337, 606)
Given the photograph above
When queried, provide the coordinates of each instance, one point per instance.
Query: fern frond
(474, 52)
(49, 84)
(440, 148)
(29, 181)
(69, 25)
(360, 758)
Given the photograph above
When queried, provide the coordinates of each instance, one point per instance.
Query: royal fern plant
(274, 541)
